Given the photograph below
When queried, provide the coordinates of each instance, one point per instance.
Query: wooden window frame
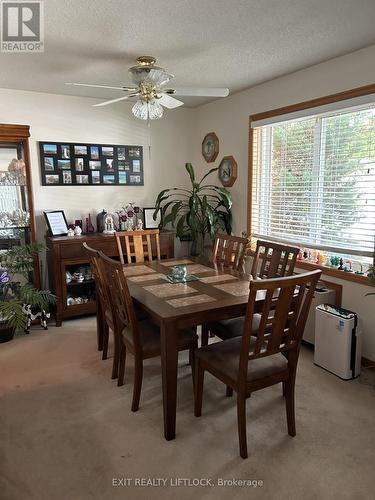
(312, 103)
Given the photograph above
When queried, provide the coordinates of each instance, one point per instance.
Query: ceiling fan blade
(168, 101)
(105, 103)
(128, 89)
(201, 92)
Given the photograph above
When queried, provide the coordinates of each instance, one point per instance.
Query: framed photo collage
(78, 164)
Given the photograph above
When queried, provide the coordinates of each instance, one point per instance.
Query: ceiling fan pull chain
(149, 137)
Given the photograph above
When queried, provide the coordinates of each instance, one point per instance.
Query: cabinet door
(16, 219)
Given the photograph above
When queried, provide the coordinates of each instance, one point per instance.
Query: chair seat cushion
(224, 357)
(230, 328)
(150, 338)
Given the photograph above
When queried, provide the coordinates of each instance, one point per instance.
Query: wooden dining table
(219, 293)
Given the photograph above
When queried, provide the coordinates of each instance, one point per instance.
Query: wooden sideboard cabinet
(66, 256)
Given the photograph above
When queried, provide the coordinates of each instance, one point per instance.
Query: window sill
(330, 271)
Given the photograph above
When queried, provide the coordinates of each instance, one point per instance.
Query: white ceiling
(222, 43)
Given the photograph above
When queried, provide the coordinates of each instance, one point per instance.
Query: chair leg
(99, 327)
(198, 388)
(122, 363)
(116, 357)
(205, 333)
(105, 340)
(138, 375)
(192, 361)
(229, 392)
(289, 403)
(241, 418)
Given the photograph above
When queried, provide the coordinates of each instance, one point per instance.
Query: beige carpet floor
(67, 432)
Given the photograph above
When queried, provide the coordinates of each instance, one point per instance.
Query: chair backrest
(138, 244)
(121, 301)
(274, 260)
(229, 251)
(282, 320)
(100, 285)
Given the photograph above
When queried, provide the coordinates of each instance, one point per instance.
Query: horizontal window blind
(313, 181)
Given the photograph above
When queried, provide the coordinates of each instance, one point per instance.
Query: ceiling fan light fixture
(144, 110)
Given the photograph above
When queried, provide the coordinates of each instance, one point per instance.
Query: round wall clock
(210, 147)
(228, 171)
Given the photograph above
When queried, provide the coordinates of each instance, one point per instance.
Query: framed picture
(228, 171)
(210, 147)
(56, 222)
(79, 164)
(148, 218)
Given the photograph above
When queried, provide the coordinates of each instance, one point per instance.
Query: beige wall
(229, 118)
(73, 119)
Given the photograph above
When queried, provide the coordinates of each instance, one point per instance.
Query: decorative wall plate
(228, 171)
(210, 147)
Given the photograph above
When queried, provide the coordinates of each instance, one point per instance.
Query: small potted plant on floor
(196, 212)
(17, 294)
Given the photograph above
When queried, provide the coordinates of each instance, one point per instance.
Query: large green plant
(196, 212)
(18, 261)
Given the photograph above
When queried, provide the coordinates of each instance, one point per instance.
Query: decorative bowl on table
(180, 275)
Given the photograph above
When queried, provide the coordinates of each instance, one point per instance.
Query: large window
(313, 180)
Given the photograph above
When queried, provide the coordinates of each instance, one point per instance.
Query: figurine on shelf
(70, 232)
(100, 221)
(77, 231)
(139, 225)
(341, 264)
(89, 226)
(16, 169)
(109, 225)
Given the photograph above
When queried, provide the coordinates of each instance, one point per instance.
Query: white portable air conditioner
(338, 341)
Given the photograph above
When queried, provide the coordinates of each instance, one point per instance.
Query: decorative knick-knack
(109, 225)
(89, 226)
(77, 231)
(70, 232)
(100, 221)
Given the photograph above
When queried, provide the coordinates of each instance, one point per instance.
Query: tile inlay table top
(177, 306)
(146, 277)
(217, 278)
(238, 289)
(169, 290)
(188, 301)
(131, 270)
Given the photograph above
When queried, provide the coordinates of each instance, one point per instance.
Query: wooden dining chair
(229, 251)
(104, 319)
(138, 245)
(140, 338)
(271, 260)
(246, 364)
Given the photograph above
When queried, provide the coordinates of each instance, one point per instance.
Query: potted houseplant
(196, 212)
(16, 291)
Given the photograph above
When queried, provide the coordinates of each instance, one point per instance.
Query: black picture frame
(57, 224)
(148, 220)
(90, 164)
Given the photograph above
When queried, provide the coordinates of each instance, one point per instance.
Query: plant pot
(6, 333)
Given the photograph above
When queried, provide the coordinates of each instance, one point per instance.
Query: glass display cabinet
(17, 220)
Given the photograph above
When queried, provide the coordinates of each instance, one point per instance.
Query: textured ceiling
(222, 43)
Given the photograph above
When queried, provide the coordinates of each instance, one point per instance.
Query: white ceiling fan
(149, 81)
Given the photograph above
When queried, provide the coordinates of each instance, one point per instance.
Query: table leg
(169, 358)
